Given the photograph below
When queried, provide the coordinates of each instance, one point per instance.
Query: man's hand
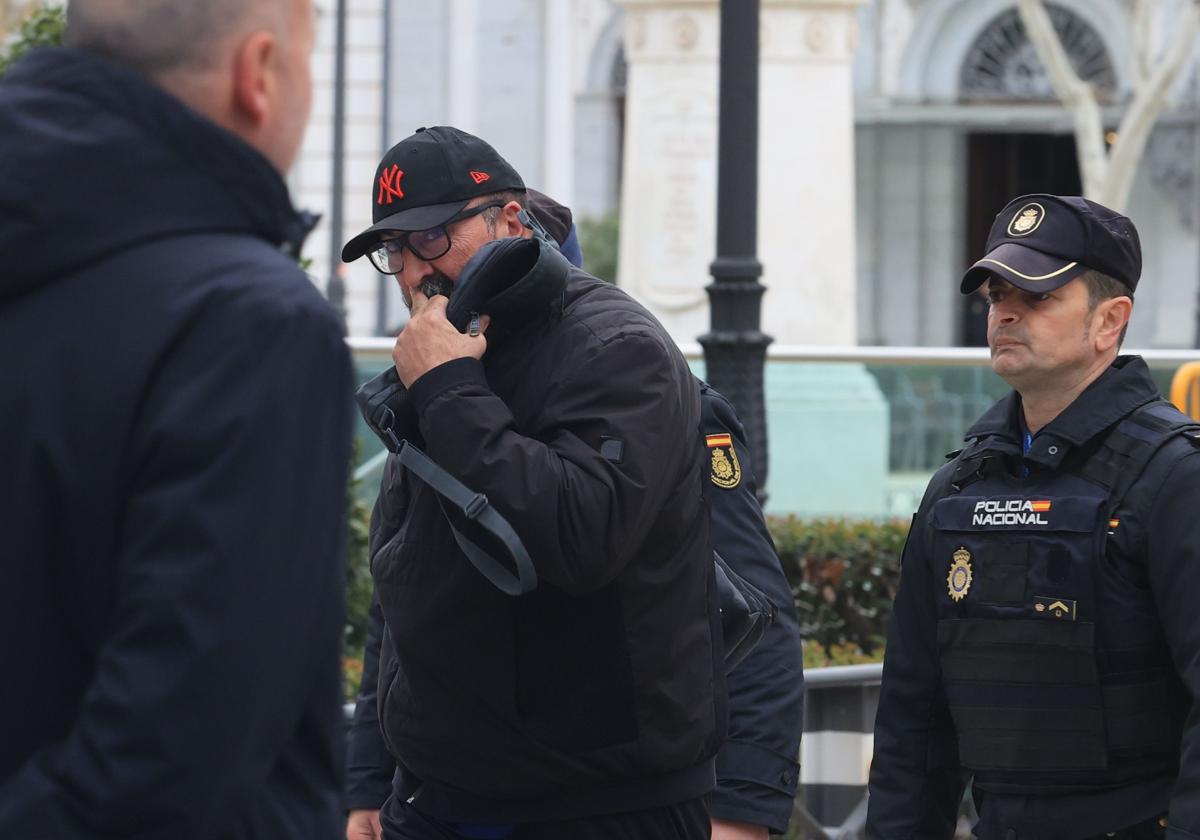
(429, 340)
(722, 830)
(363, 825)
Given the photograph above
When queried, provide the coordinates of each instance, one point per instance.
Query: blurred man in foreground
(174, 435)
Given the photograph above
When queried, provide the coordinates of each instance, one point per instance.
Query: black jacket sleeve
(369, 765)
(582, 517)
(757, 767)
(915, 783)
(220, 672)
(1173, 560)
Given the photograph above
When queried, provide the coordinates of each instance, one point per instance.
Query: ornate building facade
(952, 115)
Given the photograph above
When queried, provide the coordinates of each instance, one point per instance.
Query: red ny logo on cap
(389, 184)
(480, 177)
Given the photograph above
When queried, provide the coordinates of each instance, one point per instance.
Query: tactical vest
(1055, 670)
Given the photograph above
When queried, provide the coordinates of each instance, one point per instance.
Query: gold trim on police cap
(1026, 220)
(1049, 276)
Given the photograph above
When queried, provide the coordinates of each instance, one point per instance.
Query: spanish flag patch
(726, 471)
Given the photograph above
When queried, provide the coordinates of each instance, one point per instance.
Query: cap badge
(1027, 220)
(958, 582)
(480, 177)
(726, 471)
(389, 185)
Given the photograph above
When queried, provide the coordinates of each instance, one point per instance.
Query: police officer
(1044, 639)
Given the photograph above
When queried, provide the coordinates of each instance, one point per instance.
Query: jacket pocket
(574, 679)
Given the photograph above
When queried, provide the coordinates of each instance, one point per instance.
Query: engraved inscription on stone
(682, 141)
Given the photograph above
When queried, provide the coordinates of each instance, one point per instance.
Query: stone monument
(817, 413)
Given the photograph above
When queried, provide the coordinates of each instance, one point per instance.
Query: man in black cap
(1044, 639)
(590, 707)
(757, 766)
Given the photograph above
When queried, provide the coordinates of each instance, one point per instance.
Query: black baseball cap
(429, 177)
(1041, 242)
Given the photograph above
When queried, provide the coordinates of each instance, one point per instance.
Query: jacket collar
(1125, 386)
(99, 157)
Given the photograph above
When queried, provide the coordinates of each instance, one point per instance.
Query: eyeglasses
(430, 244)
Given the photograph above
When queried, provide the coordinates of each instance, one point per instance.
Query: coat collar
(1123, 387)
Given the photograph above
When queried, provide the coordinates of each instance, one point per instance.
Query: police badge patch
(958, 582)
(1027, 220)
(726, 471)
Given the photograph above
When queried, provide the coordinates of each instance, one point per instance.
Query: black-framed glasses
(429, 244)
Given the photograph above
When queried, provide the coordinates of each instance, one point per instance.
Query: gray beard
(437, 284)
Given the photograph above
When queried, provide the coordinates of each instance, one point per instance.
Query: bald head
(161, 37)
(244, 64)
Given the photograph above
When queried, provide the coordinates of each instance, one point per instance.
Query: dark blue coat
(174, 443)
(757, 766)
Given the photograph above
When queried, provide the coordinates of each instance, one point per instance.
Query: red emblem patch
(389, 185)
(480, 177)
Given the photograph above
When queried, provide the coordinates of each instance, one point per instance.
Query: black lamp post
(735, 348)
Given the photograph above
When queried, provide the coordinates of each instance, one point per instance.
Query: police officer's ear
(1109, 321)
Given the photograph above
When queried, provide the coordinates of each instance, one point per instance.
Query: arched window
(1002, 64)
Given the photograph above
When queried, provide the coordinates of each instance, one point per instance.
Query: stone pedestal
(827, 424)
(806, 162)
(669, 186)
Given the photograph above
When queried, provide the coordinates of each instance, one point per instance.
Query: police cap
(1041, 242)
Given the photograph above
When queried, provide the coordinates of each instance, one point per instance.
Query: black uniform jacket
(598, 692)
(174, 442)
(757, 770)
(916, 779)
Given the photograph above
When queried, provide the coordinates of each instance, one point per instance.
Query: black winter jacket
(757, 767)
(174, 441)
(1151, 558)
(597, 692)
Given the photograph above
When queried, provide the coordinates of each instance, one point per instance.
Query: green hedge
(358, 583)
(598, 240)
(43, 28)
(843, 575)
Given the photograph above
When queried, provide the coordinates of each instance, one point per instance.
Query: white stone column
(311, 179)
(806, 222)
(669, 185)
(828, 423)
(558, 39)
(462, 64)
(806, 165)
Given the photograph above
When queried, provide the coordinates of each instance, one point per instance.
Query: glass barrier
(851, 432)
